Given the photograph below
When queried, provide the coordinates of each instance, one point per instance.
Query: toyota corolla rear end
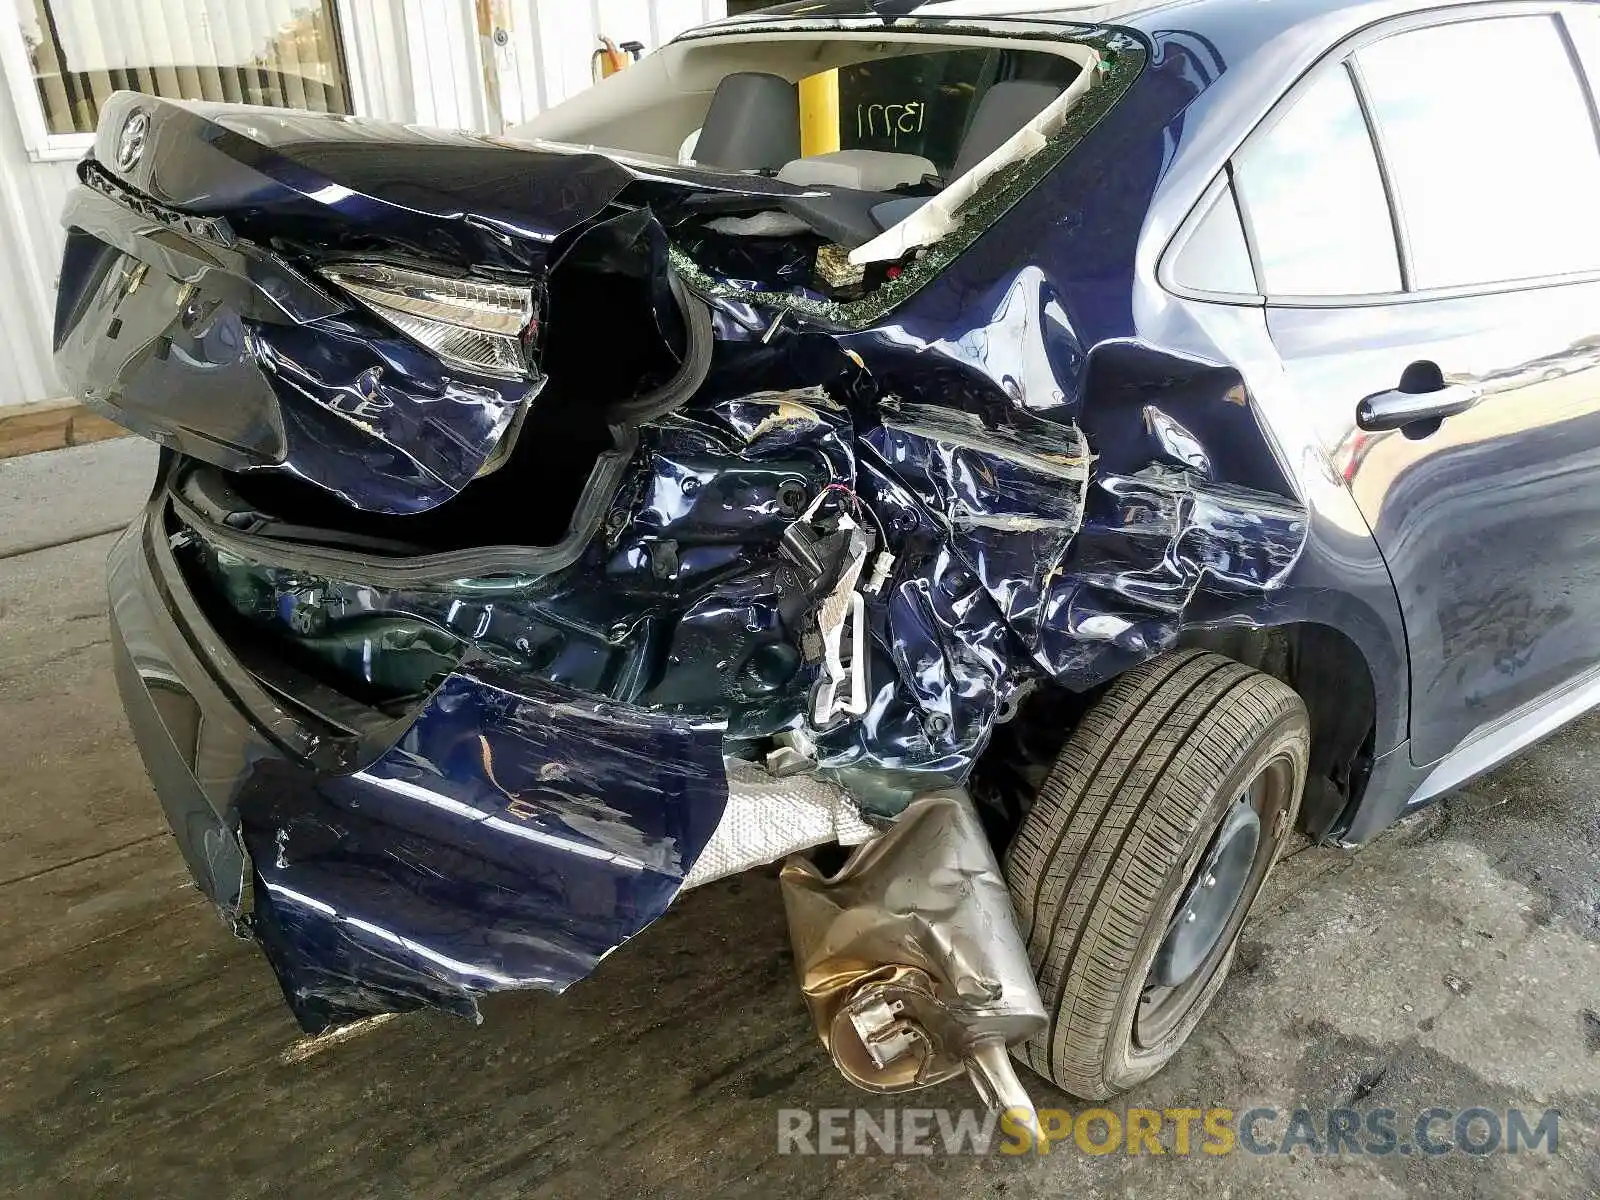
(450, 618)
(541, 531)
(389, 489)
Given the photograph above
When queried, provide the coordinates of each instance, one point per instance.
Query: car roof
(1248, 22)
(1257, 47)
(1034, 10)
(1133, 13)
(1239, 55)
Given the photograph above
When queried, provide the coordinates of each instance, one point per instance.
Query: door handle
(1396, 409)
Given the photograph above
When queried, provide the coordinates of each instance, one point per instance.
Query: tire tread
(1116, 814)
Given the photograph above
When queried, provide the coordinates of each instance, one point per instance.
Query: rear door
(1423, 220)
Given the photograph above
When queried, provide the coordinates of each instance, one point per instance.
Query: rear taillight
(467, 322)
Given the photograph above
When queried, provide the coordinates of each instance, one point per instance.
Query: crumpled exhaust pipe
(910, 959)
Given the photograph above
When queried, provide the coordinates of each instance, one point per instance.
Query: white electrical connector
(881, 566)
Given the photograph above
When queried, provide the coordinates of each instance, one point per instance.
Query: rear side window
(1216, 257)
(1491, 150)
(1314, 198)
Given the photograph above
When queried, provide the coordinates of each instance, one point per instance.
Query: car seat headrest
(753, 123)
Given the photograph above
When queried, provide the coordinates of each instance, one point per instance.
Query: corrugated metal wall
(409, 60)
(376, 52)
(553, 40)
(31, 195)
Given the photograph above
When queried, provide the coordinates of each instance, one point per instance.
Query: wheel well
(1324, 666)
(1331, 675)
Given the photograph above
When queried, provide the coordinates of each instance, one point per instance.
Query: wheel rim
(1212, 894)
(1207, 918)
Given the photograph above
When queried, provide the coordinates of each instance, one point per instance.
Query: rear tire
(1153, 782)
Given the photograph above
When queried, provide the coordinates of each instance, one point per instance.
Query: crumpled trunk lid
(196, 306)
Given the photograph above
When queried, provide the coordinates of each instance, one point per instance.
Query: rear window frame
(1126, 53)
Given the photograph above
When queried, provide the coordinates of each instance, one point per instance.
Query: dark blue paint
(333, 396)
(1220, 498)
(511, 835)
(510, 840)
(321, 390)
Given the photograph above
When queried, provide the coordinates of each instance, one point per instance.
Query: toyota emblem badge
(130, 146)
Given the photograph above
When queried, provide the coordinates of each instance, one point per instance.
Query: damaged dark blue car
(1085, 459)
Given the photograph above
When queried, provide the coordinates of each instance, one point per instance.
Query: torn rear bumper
(500, 838)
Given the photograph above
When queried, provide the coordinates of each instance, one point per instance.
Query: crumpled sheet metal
(1150, 541)
(682, 602)
(335, 397)
(909, 958)
(515, 836)
(398, 431)
(1015, 554)
(769, 817)
(683, 608)
(1183, 509)
(1028, 474)
(1009, 498)
(978, 383)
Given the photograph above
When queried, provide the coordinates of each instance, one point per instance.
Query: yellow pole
(819, 113)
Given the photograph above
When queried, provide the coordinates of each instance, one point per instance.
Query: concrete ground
(1453, 963)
